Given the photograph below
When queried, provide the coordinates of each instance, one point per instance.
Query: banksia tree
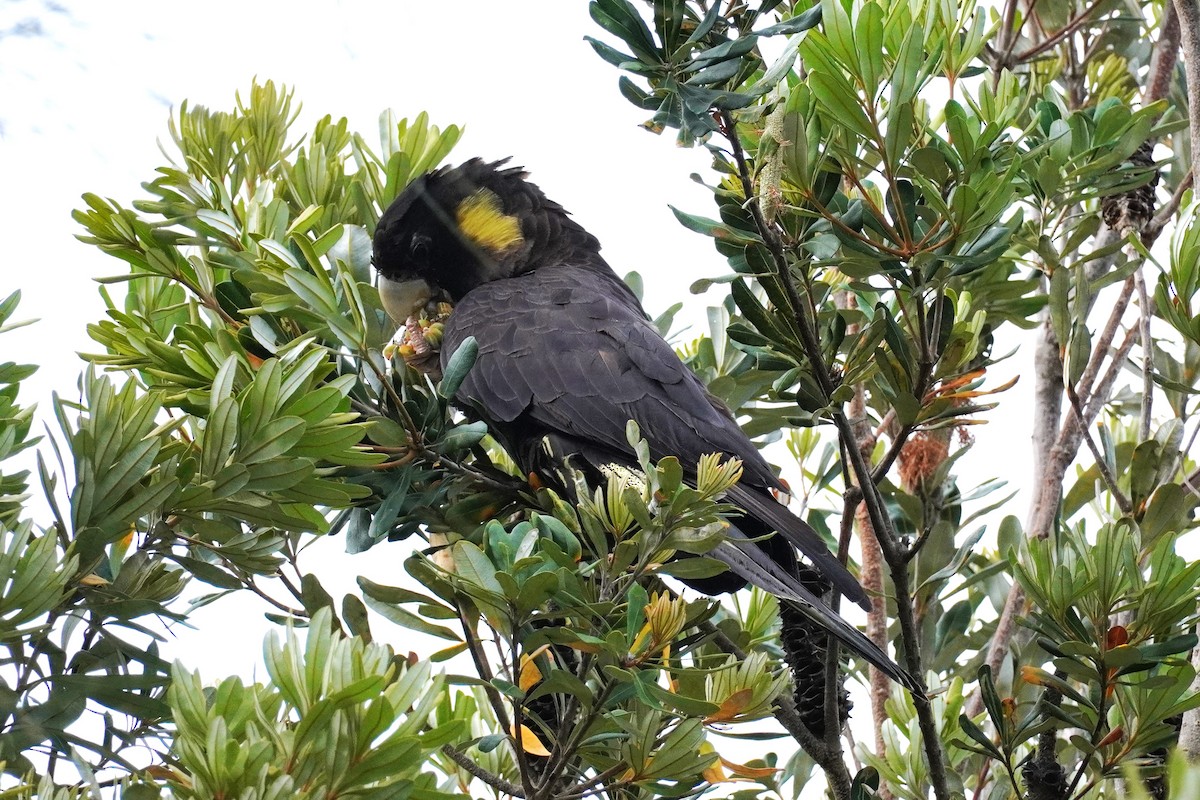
(903, 192)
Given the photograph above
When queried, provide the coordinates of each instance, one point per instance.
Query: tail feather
(746, 559)
(803, 537)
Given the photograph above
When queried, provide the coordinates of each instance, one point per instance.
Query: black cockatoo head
(460, 227)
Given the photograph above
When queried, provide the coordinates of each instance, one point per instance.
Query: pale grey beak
(403, 299)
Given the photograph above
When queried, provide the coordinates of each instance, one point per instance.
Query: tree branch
(1056, 37)
(1164, 214)
(871, 577)
(787, 716)
(1189, 39)
(1189, 25)
(461, 759)
(1165, 58)
(1055, 447)
(1110, 480)
(1144, 311)
(889, 542)
(1100, 348)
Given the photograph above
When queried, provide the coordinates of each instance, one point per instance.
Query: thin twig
(518, 723)
(298, 613)
(884, 529)
(437, 459)
(1145, 311)
(1101, 345)
(485, 671)
(1101, 725)
(1009, 35)
(1110, 480)
(1103, 391)
(1059, 35)
(495, 781)
(881, 469)
(591, 786)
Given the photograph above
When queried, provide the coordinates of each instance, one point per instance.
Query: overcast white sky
(86, 94)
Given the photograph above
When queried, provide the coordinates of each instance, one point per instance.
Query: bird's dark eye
(418, 248)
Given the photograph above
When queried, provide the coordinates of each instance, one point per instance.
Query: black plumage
(567, 356)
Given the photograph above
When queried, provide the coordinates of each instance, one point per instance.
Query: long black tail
(776, 517)
(748, 560)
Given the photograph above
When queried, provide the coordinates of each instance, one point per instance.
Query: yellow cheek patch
(482, 220)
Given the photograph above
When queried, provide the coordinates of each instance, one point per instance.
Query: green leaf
(313, 594)
(690, 568)
(717, 230)
(982, 739)
(842, 102)
(798, 24)
(272, 440)
(472, 564)
(407, 619)
(462, 437)
(457, 368)
(621, 19)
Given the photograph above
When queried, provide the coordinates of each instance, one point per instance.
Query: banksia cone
(419, 340)
(805, 645)
(1132, 211)
(1045, 778)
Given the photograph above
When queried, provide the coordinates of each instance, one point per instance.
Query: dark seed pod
(1133, 210)
(805, 645)
(1045, 779)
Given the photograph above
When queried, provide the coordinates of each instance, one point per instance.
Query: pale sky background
(85, 93)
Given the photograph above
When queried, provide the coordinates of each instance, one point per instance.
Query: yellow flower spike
(434, 334)
(666, 617)
(714, 477)
(639, 642)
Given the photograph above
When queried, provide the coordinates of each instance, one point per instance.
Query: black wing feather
(567, 350)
